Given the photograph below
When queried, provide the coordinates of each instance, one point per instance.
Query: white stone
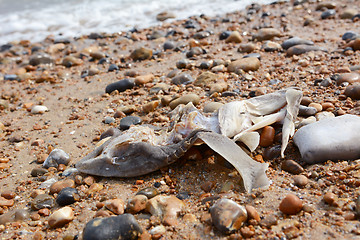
(39, 109)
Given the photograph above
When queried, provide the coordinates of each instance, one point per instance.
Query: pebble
(328, 14)
(61, 217)
(67, 196)
(234, 37)
(306, 121)
(40, 58)
(59, 185)
(164, 16)
(324, 115)
(267, 136)
(137, 204)
(212, 107)
(201, 35)
(291, 204)
(97, 55)
(330, 198)
(70, 61)
(11, 77)
(42, 201)
(195, 51)
(126, 122)
(56, 157)
(300, 180)
(348, 13)
(255, 55)
(352, 77)
(295, 41)
(192, 97)
(269, 220)
(317, 106)
(121, 86)
(17, 215)
(327, 5)
(182, 79)
(228, 216)
(109, 120)
(224, 35)
(301, 49)
(149, 192)
(115, 205)
(205, 79)
(329, 139)
(143, 79)
(246, 64)
(272, 152)
(157, 231)
(39, 109)
(113, 67)
(181, 64)
(166, 207)
(270, 46)
(141, 54)
(252, 213)
(8, 194)
(267, 34)
(353, 91)
(168, 45)
(123, 226)
(6, 202)
(307, 111)
(247, 47)
(355, 44)
(96, 187)
(292, 167)
(36, 172)
(350, 35)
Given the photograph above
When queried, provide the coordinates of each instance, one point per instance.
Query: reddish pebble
(115, 205)
(58, 186)
(8, 194)
(44, 212)
(252, 213)
(291, 204)
(267, 136)
(5, 202)
(89, 180)
(330, 198)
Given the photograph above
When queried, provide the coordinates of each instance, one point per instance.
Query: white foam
(34, 20)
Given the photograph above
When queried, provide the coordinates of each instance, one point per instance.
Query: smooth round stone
(295, 41)
(292, 167)
(201, 35)
(228, 216)
(109, 120)
(234, 37)
(183, 63)
(267, 34)
(56, 157)
(267, 136)
(11, 77)
(40, 58)
(212, 107)
(326, 82)
(183, 195)
(17, 215)
(353, 91)
(205, 79)
(141, 54)
(123, 226)
(327, 5)
(121, 85)
(350, 35)
(115, 205)
(157, 231)
(164, 16)
(182, 79)
(255, 55)
(351, 77)
(113, 67)
(328, 14)
(205, 65)
(149, 192)
(317, 106)
(300, 180)
(330, 198)
(36, 172)
(195, 51)
(6, 202)
(42, 201)
(109, 133)
(169, 45)
(301, 49)
(97, 55)
(324, 115)
(306, 121)
(272, 152)
(252, 213)
(137, 203)
(247, 47)
(270, 46)
(39, 109)
(229, 94)
(246, 64)
(291, 205)
(348, 13)
(126, 122)
(307, 111)
(59, 185)
(224, 35)
(67, 196)
(194, 98)
(70, 61)
(8, 194)
(61, 217)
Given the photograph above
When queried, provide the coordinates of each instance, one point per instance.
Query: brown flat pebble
(8, 194)
(292, 167)
(330, 198)
(291, 204)
(6, 202)
(252, 213)
(58, 186)
(300, 180)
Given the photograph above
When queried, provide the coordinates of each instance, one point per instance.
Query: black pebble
(149, 192)
(126, 122)
(328, 14)
(67, 196)
(349, 36)
(121, 85)
(169, 45)
(112, 67)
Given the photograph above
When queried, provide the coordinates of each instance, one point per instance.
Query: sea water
(36, 19)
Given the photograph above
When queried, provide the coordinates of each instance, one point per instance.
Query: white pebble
(39, 109)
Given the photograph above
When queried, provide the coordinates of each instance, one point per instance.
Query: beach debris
(141, 150)
(333, 138)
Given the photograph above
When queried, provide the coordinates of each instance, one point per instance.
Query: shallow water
(34, 20)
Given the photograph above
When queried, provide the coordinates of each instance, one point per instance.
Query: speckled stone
(205, 79)
(246, 64)
(56, 157)
(61, 217)
(42, 201)
(141, 54)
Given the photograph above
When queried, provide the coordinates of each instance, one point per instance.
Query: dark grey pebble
(113, 67)
(56, 157)
(182, 79)
(104, 60)
(35, 49)
(40, 58)
(123, 226)
(295, 41)
(95, 36)
(11, 77)
(126, 122)
(109, 120)
(156, 34)
(149, 192)
(325, 82)
(201, 35)
(328, 14)
(307, 111)
(121, 85)
(169, 45)
(38, 172)
(183, 63)
(183, 195)
(5, 47)
(229, 94)
(272, 152)
(224, 35)
(110, 133)
(205, 65)
(195, 51)
(67, 196)
(42, 201)
(356, 17)
(257, 55)
(350, 35)
(300, 49)
(61, 40)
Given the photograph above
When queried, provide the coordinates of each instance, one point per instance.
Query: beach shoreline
(70, 78)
